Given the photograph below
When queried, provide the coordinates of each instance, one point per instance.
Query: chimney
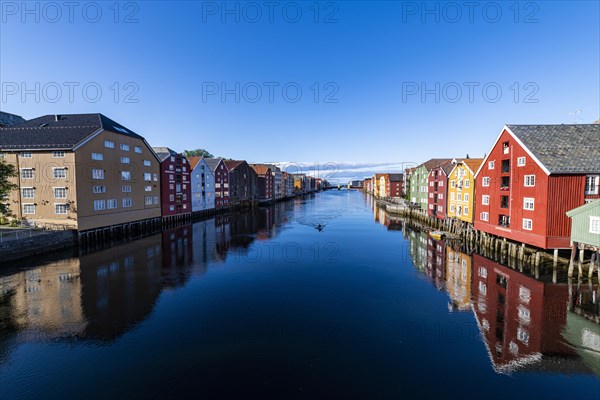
(56, 117)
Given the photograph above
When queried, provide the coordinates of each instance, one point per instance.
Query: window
(126, 189)
(529, 180)
(171, 208)
(485, 181)
(171, 177)
(125, 175)
(155, 199)
(124, 147)
(466, 210)
(505, 147)
(171, 197)
(521, 161)
(467, 183)
(505, 166)
(147, 163)
(60, 193)
(27, 173)
(155, 177)
(127, 202)
(99, 205)
(109, 145)
(491, 165)
(97, 173)
(148, 200)
(61, 208)
(99, 189)
(522, 335)
(111, 204)
(137, 149)
(28, 208)
(58, 154)
(60, 172)
(528, 203)
(28, 193)
(148, 177)
(452, 196)
(148, 188)
(485, 216)
(97, 156)
(172, 159)
(26, 154)
(452, 208)
(527, 224)
(171, 167)
(466, 196)
(595, 225)
(591, 184)
(459, 196)
(124, 160)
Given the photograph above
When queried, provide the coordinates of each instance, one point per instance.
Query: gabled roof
(164, 152)
(232, 164)
(58, 132)
(7, 119)
(213, 163)
(472, 164)
(260, 169)
(434, 162)
(586, 207)
(562, 149)
(446, 166)
(396, 177)
(193, 161)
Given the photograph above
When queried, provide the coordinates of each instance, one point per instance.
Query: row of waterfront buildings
(521, 190)
(86, 171)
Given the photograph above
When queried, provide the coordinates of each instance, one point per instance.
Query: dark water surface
(264, 305)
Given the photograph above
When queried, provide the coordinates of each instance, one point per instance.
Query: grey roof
(164, 152)
(7, 119)
(212, 163)
(396, 177)
(563, 149)
(60, 132)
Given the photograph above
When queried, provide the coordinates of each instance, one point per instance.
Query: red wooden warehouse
(437, 189)
(176, 191)
(532, 176)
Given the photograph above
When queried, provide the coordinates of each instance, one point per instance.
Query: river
(320, 297)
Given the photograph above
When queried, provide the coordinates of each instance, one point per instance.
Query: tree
(197, 153)
(6, 171)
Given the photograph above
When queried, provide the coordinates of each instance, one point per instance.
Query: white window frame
(55, 169)
(23, 175)
(466, 210)
(58, 154)
(484, 216)
(528, 203)
(111, 204)
(33, 206)
(594, 179)
(137, 149)
(109, 144)
(98, 156)
(63, 189)
(125, 175)
(521, 161)
(98, 189)
(148, 200)
(29, 190)
(26, 154)
(126, 188)
(485, 200)
(594, 224)
(66, 208)
(147, 188)
(147, 177)
(127, 202)
(491, 164)
(97, 174)
(99, 205)
(527, 224)
(147, 163)
(124, 147)
(125, 160)
(485, 181)
(527, 180)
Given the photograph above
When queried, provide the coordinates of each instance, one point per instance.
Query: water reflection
(103, 294)
(527, 323)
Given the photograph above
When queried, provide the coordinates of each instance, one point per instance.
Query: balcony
(504, 221)
(505, 183)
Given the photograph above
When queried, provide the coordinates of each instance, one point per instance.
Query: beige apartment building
(81, 170)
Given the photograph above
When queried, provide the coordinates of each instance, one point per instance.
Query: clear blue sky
(373, 58)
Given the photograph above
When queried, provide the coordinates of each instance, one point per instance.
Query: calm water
(264, 305)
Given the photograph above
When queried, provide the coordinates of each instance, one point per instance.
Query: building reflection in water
(101, 295)
(526, 324)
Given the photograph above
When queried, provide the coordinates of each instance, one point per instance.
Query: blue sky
(194, 70)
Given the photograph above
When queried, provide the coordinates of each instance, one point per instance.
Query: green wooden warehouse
(585, 233)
